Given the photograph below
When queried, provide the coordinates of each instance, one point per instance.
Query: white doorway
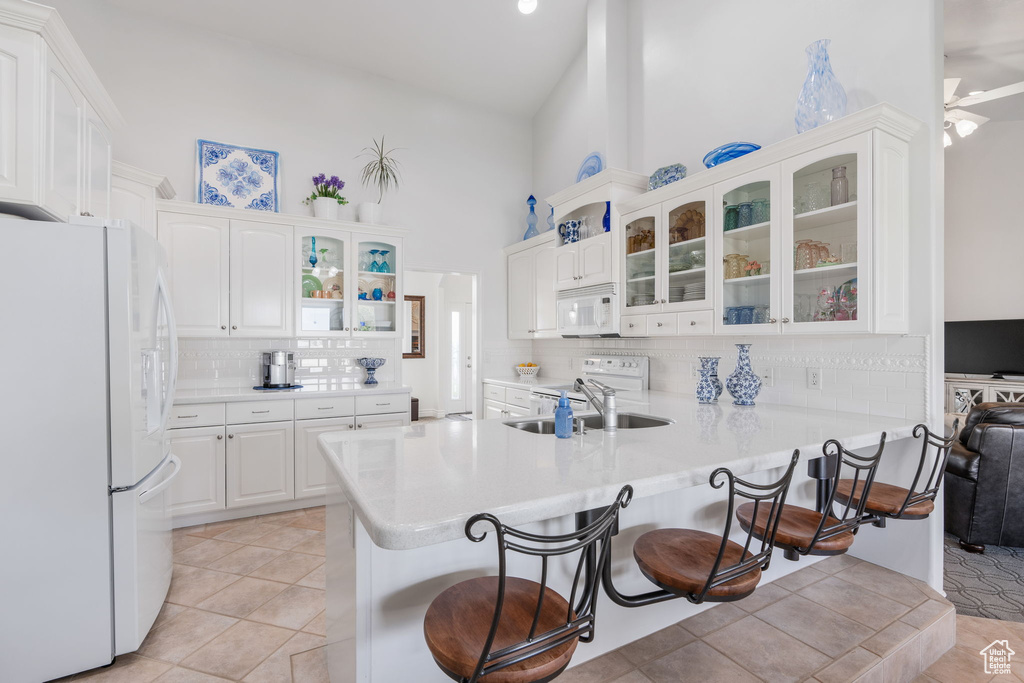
(443, 378)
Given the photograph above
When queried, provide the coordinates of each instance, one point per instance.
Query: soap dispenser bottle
(563, 418)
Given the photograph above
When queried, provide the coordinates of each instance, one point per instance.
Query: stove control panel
(621, 366)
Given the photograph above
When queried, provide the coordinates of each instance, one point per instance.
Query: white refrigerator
(88, 359)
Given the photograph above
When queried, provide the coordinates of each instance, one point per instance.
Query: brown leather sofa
(984, 481)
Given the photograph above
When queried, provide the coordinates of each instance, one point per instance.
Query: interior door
(458, 326)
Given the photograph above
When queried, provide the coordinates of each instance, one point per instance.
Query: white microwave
(588, 312)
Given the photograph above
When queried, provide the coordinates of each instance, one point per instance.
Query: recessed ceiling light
(527, 6)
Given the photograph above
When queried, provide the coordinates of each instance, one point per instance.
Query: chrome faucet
(607, 408)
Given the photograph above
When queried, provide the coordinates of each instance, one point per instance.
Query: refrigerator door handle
(172, 329)
(149, 493)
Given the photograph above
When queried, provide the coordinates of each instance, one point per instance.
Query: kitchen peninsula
(412, 489)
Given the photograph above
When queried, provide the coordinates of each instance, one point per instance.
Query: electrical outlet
(814, 378)
(767, 378)
(694, 371)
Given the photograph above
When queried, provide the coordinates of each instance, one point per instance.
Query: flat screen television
(985, 347)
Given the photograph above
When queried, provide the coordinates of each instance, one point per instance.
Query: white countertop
(217, 392)
(416, 486)
(517, 382)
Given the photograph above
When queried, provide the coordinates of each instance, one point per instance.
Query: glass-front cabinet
(666, 256)
(747, 235)
(829, 236)
(349, 284)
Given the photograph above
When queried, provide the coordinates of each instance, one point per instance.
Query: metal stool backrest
(864, 468)
(942, 445)
(761, 494)
(579, 620)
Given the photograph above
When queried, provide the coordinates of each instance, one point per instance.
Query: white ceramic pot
(325, 207)
(370, 212)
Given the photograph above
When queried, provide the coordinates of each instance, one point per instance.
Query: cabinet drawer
(385, 403)
(661, 325)
(196, 415)
(494, 392)
(259, 411)
(698, 322)
(309, 408)
(633, 326)
(518, 397)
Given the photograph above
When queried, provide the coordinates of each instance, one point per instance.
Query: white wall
(984, 220)
(560, 139)
(421, 373)
(465, 170)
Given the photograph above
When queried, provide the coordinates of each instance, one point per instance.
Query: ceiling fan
(966, 122)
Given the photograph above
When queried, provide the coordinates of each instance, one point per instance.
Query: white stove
(628, 375)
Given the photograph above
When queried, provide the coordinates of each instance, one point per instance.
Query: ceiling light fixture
(965, 127)
(527, 6)
(963, 121)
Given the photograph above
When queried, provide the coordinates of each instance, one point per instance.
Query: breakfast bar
(403, 495)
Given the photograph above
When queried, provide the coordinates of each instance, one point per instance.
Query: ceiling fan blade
(949, 86)
(994, 94)
(955, 115)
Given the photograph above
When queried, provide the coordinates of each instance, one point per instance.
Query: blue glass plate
(592, 165)
(665, 175)
(728, 152)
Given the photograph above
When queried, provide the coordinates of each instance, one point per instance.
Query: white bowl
(528, 372)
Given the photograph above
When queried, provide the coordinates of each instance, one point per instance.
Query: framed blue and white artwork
(240, 177)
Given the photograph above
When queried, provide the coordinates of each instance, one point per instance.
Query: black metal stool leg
(822, 470)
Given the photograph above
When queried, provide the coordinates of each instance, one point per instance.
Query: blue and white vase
(531, 220)
(709, 387)
(743, 383)
(822, 99)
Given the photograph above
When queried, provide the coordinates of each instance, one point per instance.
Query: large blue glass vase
(531, 220)
(822, 99)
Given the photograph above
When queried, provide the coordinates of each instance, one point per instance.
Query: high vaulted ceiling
(480, 51)
(984, 46)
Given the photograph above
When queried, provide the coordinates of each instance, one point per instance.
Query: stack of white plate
(694, 292)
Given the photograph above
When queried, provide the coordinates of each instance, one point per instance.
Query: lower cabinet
(200, 486)
(501, 402)
(310, 469)
(493, 409)
(260, 463)
(388, 420)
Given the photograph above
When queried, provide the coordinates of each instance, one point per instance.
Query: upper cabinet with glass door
(377, 286)
(747, 236)
(322, 287)
(830, 237)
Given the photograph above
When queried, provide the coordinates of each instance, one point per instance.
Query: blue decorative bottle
(709, 387)
(312, 252)
(563, 418)
(822, 99)
(531, 220)
(551, 219)
(743, 383)
(606, 221)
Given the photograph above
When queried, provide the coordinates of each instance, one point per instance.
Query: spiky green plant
(382, 169)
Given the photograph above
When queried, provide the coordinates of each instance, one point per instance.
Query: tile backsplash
(236, 359)
(878, 375)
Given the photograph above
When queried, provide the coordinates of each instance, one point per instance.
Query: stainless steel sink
(626, 421)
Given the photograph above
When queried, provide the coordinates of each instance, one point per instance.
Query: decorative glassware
(822, 98)
(743, 383)
(370, 365)
(551, 219)
(728, 152)
(732, 217)
(840, 186)
(848, 252)
(531, 220)
(826, 306)
(312, 253)
(384, 267)
(761, 211)
(374, 267)
(698, 257)
(364, 260)
(606, 221)
(817, 196)
(746, 214)
(709, 387)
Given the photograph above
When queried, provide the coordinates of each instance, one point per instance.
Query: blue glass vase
(551, 219)
(606, 220)
(531, 220)
(822, 99)
(743, 383)
(709, 387)
(312, 252)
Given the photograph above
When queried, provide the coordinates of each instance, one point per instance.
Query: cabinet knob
(631, 324)
(223, 327)
(231, 436)
(346, 329)
(693, 322)
(234, 327)
(85, 213)
(661, 324)
(359, 426)
(772, 320)
(785, 320)
(220, 437)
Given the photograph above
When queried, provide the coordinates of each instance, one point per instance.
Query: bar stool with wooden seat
(803, 531)
(701, 566)
(505, 629)
(888, 501)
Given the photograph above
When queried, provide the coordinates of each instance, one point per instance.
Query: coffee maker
(278, 369)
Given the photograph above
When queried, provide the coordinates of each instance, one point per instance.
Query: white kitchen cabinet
(260, 279)
(200, 485)
(505, 402)
(311, 474)
(386, 420)
(584, 263)
(493, 410)
(198, 270)
(516, 411)
(531, 289)
(133, 195)
(260, 464)
(56, 139)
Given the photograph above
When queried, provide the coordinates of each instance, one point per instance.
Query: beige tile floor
(247, 604)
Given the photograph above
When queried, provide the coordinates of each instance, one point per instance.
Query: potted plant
(381, 172)
(326, 197)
